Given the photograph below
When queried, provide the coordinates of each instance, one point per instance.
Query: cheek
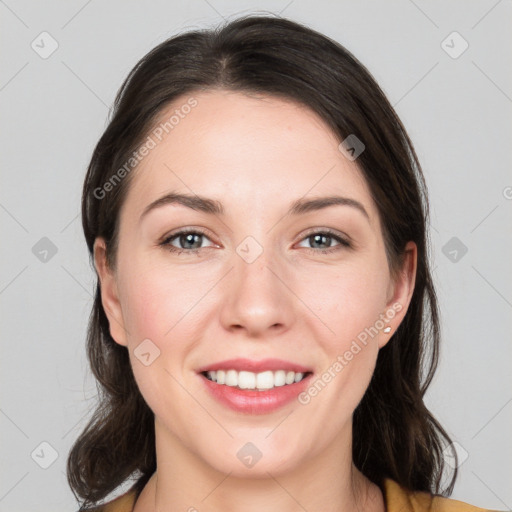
(158, 308)
(347, 300)
(166, 306)
(157, 301)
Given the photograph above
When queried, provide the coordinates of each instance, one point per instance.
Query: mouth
(252, 381)
(255, 387)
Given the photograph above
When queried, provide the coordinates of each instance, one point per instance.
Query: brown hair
(394, 434)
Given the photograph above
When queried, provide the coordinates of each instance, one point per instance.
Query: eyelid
(321, 229)
(328, 231)
(184, 231)
(343, 243)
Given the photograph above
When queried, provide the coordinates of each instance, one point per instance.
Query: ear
(109, 293)
(400, 292)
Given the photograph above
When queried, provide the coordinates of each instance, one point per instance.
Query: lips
(255, 402)
(259, 401)
(249, 365)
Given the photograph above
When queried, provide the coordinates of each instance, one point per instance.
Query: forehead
(245, 150)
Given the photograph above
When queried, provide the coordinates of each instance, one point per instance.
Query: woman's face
(255, 279)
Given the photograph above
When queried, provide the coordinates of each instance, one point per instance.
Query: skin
(255, 154)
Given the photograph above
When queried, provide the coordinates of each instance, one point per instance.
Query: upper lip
(249, 365)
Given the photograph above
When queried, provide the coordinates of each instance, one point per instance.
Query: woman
(255, 369)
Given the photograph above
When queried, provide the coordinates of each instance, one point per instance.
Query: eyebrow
(214, 207)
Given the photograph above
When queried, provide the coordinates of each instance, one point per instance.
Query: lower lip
(255, 402)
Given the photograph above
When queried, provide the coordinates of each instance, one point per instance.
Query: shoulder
(399, 499)
(123, 503)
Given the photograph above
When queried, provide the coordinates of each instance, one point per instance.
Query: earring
(387, 329)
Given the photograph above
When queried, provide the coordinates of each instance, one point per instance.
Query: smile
(255, 387)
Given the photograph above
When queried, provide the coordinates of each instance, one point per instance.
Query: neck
(329, 482)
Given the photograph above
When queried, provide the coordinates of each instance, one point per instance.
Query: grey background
(456, 110)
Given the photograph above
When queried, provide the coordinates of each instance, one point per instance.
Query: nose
(258, 297)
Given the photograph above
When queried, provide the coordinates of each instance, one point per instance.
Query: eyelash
(342, 242)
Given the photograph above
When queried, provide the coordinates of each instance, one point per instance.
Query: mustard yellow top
(396, 498)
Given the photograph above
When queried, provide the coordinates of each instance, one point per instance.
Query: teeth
(249, 380)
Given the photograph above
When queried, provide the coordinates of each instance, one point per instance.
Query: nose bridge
(253, 264)
(257, 299)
